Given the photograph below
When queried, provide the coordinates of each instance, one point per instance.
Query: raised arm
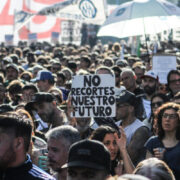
(121, 142)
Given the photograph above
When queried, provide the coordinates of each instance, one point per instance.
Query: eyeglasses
(174, 81)
(156, 104)
(122, 105)
(170, 116)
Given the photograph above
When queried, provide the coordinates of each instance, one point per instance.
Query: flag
(9, 39)
(54, 37)
(86, 11)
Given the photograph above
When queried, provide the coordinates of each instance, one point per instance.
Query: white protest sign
(162, 64)
(93, 96)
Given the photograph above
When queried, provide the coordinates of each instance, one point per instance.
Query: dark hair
(116, 68)
(61, 75)
(169, 75)
(30, 86)
(15, 86)
(158, 119)
(160, 95)
(101, 132)
(21, 127)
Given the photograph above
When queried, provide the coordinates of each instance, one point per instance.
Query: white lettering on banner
(93, 96)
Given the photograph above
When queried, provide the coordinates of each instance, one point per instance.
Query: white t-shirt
(131, 129)
(147, 107)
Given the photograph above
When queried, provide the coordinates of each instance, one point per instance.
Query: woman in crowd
(166, 145)
(120, 160)
(156, 101)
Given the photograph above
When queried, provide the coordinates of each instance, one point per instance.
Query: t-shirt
(171, 155)
(131, 128)
(147, 107)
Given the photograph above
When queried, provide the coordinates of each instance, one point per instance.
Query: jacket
(26, 171)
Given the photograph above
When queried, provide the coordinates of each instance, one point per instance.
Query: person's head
(128, 78)
(61, 79)
(125, 105)
(173, 80)
(82, 124)
(105, 134)
(167, 119)
(150, 82)
(55, 67)
(68, 73)
(45, 80)
(58, 95)
(15, 90)
(28, 91)
(104, 70)
(26, 76)
(157, 100)
(154, 169)
(12, 72)
(85, 62)
(59, 140)
(15, 135)
(88, 159)
(139, 70)
(117, 73)
(108, 61)
(31, 57)
(44, 104)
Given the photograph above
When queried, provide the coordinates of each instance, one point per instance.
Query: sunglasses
(156, 104)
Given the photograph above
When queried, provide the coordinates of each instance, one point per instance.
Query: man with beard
(59, 140)
(136, 132)
(45, 105)
(15, 138)
(150, 84)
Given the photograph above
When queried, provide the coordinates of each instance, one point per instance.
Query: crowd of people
(39, 139)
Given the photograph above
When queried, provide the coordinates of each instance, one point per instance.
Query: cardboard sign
(162, 64)
(93, 96)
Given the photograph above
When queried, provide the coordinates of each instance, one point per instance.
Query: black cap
(39, 98)
(126, 97)
(89, 154)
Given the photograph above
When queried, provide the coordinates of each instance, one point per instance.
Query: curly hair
(158, 118)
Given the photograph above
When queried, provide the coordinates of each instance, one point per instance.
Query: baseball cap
(126, 96)
(39, 97)
(151, 74)
(90, 154)
(43, 75)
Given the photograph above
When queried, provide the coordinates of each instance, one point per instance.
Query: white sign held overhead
(162, 64)
(93, 96)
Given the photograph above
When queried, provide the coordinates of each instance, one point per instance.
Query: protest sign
(162, 64)
(93, 96)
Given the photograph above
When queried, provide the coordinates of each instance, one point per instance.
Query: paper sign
(162, 64)
(93, 96)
